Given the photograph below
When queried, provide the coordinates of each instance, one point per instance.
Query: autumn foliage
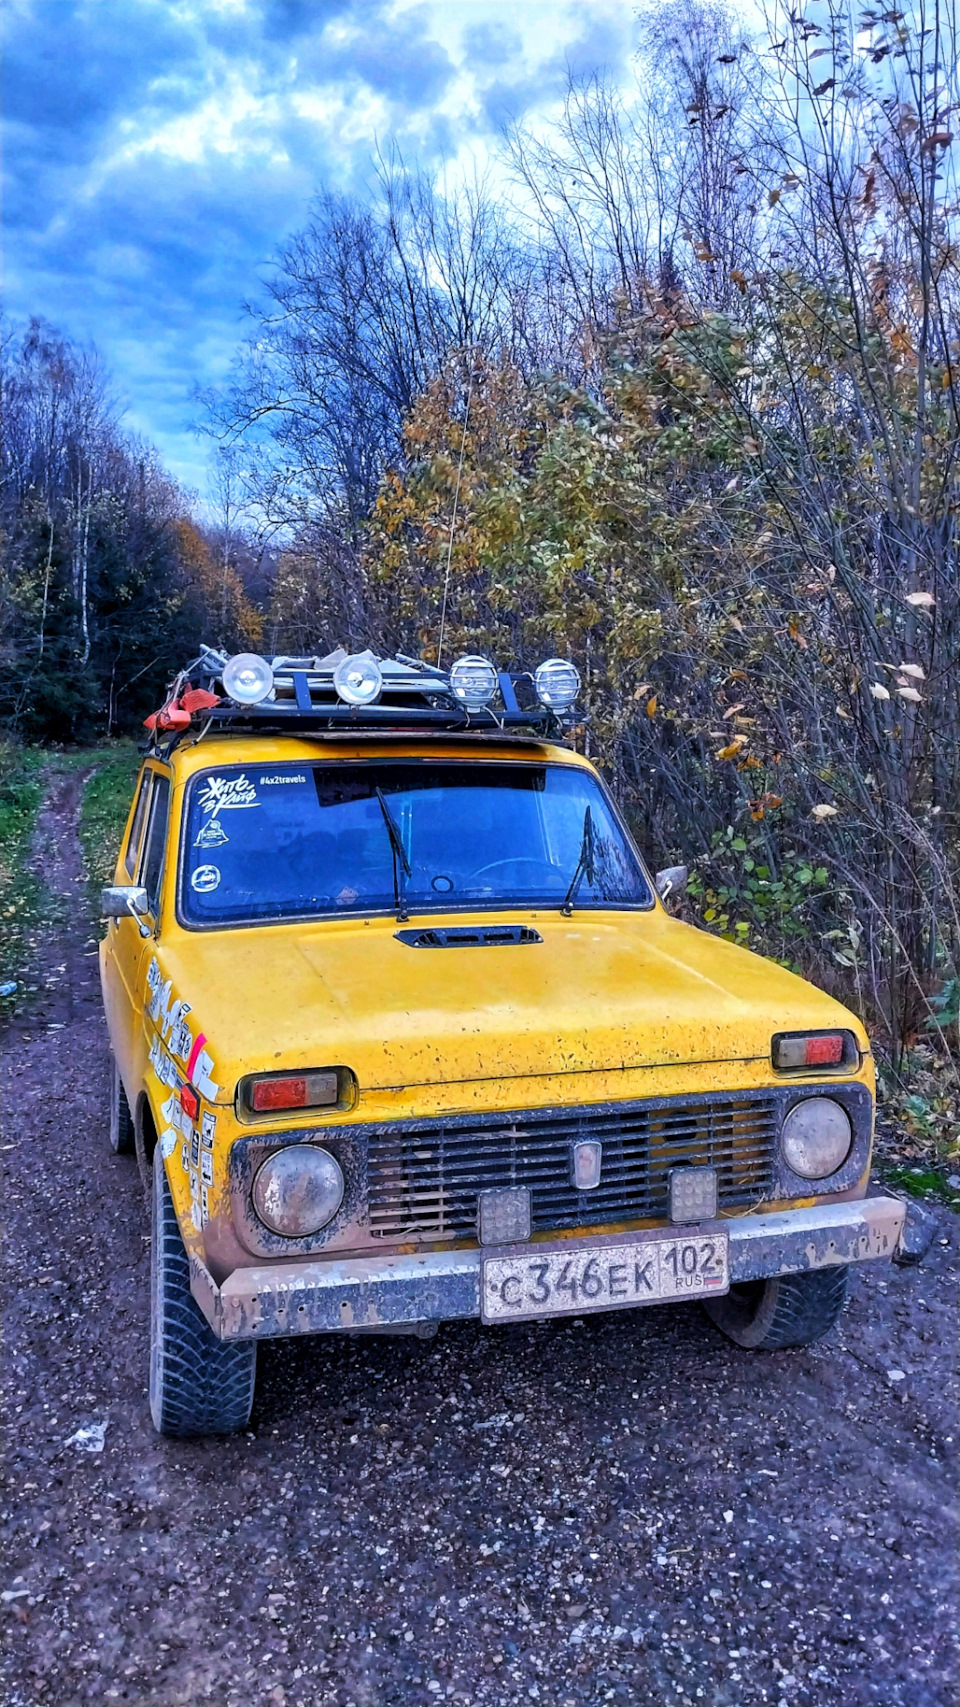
(682, 404)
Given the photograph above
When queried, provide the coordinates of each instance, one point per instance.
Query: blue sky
(156, 151)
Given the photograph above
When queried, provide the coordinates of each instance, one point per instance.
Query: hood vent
(469, 936)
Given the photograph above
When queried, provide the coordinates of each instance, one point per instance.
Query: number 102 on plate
(604, 1277)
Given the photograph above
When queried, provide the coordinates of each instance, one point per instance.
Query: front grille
(424, 1178)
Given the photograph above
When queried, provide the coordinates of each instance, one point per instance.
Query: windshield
(293, 841)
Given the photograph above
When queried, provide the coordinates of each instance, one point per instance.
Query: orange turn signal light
(293, 1090)
(792, 1049)
(189, 1102)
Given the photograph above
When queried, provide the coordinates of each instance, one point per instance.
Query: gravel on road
(620, 1509)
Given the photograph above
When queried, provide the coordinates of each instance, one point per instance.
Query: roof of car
(203, 751)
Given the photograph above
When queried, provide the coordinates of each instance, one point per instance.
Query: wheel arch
(146, 1136)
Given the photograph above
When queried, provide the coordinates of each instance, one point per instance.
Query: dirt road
(625, 1510)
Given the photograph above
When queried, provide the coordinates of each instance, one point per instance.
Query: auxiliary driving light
(358, 679)
(247, 679)
(692, 1194)
(816, 1137)
(473, 682)
(557, 684)
(298, 1190)
(503, 1216)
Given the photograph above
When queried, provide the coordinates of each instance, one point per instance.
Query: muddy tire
(145, 1144)
(198, 1384)
(122, 1136)
(768, 1315)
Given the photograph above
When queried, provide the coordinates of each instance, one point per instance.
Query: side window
(135, 841)
(156, 840)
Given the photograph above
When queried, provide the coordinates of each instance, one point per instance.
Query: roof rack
(307, 694)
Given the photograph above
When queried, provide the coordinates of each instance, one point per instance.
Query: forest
(673, 391)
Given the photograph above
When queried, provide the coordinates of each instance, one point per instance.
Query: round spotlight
(815, 1138)
(358, 680)
(298, 1190)
(473, 682)
(557, 683)
(247, 679)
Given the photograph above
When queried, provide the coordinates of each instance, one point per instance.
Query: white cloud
(196, 135)
(233, 120)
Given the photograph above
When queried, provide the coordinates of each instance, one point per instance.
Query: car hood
(601, 993)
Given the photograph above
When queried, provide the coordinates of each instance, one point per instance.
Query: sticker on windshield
(274, 781)
(227, 793)
(205, 878)
(212, 835)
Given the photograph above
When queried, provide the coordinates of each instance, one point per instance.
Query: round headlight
(474, 682)
(557, 683)
(247, 679)
(816, 1137)
(298, 1190)
(357, 679)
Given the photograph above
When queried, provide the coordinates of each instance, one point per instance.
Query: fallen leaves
(735, 746)
(766, 803)
(920, 601)
(879, 691)
(824, 811)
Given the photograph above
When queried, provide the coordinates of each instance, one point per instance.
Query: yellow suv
(403, 1033)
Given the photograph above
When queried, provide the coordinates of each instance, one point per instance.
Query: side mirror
(125, 900)
(671, 881)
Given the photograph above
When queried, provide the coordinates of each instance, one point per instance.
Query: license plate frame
(537, 1282)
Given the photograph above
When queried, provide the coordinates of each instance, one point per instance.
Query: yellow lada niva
(403, 1033)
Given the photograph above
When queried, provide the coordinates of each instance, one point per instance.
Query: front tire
(122, 1137)
(794, 1309)
(198, 1384)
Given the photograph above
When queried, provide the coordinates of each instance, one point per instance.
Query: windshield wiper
(400, 860)
(585, 864)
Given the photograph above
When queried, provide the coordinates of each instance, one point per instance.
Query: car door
(127, 951)
(151, 877)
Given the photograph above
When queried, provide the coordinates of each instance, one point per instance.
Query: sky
(156, 152)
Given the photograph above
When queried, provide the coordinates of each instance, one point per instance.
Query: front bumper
(390, 1292)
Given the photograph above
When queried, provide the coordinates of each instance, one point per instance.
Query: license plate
(605, 1277)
